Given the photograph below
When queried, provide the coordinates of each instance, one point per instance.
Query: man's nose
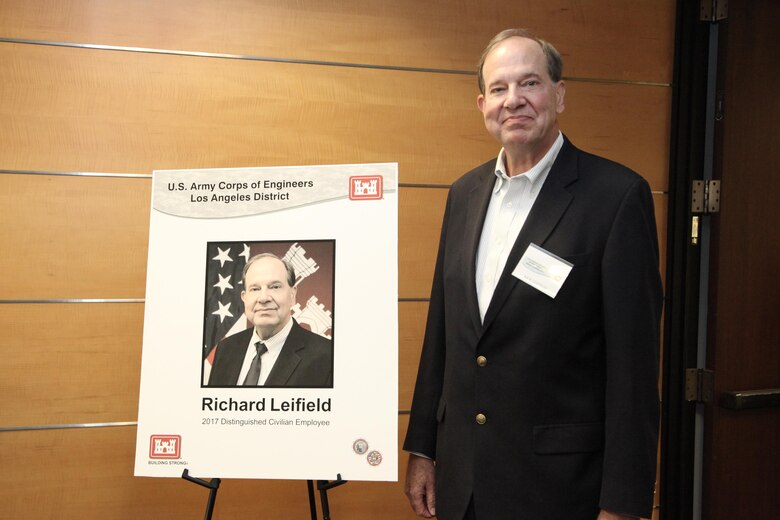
(263, 295)
(515, 97)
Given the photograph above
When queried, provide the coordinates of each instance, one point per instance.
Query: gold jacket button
(481, 361)
(481, 419)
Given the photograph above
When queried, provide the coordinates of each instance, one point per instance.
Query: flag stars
(223, 311)
(223, 256)
(245, 253)
(223, 283)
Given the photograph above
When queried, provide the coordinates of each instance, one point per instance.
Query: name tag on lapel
(542, 270)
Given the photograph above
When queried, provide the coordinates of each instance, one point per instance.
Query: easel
(213, 485)
(322, 486)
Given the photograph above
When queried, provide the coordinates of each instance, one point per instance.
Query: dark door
(741, 477)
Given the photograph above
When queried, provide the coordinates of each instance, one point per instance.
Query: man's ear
(481, 102)
(560, 92)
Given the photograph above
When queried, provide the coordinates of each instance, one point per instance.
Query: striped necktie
(253, 376)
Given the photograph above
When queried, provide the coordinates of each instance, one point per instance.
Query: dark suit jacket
(569, 389)
(306, 360)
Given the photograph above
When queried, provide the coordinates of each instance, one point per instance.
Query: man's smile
(517, 118)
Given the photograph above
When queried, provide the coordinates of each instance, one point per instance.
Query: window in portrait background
(223, 316)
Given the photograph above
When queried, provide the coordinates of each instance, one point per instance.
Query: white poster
(270, 345)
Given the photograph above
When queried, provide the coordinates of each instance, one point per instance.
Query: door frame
(684, 317)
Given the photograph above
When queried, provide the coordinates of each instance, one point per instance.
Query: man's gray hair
(287, 265)
(554, 60)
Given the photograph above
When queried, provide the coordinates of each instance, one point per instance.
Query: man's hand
(420, 486)
(606, 515)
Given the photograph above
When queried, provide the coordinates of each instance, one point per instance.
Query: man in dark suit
(536, 396)
(277, 351)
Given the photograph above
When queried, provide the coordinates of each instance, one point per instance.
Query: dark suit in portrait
(306, 361)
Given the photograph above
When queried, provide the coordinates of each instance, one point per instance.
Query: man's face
(267, 296)
(521, 102)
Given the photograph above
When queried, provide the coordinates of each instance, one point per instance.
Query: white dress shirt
(511, 201)
(274, 345)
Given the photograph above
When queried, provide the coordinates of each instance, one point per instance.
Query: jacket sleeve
(421, 434)
(631, 300)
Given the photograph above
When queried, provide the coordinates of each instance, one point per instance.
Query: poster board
(337, 226)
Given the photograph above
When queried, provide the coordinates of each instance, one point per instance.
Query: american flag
(224, 311)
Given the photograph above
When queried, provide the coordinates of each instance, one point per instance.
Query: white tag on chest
(542, 270)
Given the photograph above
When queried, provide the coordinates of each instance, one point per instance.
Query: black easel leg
(312, 502)
(213, 486)
(322, 484)
(212, 501)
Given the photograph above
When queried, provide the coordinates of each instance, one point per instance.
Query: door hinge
(699, 385)
(705, 197)
(713, 10)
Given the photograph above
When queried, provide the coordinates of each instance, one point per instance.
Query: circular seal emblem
(360, 446)
(374, 458)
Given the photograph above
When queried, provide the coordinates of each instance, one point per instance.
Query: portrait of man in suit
(536, 394)
(276, 351)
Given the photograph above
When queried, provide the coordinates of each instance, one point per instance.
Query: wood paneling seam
(149, 176)
(78, 174)
(92, 425)
(67, 426)
(246, 57)
(79, 300)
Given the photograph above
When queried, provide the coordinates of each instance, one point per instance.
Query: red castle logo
(165, 447)
(367, 187)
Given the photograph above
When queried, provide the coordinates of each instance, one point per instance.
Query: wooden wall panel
(70, 363)
(81, 363)
(602, 39)
(91, 110)
(88, 110)
(627, 124)
(73, 237)
(411, 326)
(88, 473)
(420, 215)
